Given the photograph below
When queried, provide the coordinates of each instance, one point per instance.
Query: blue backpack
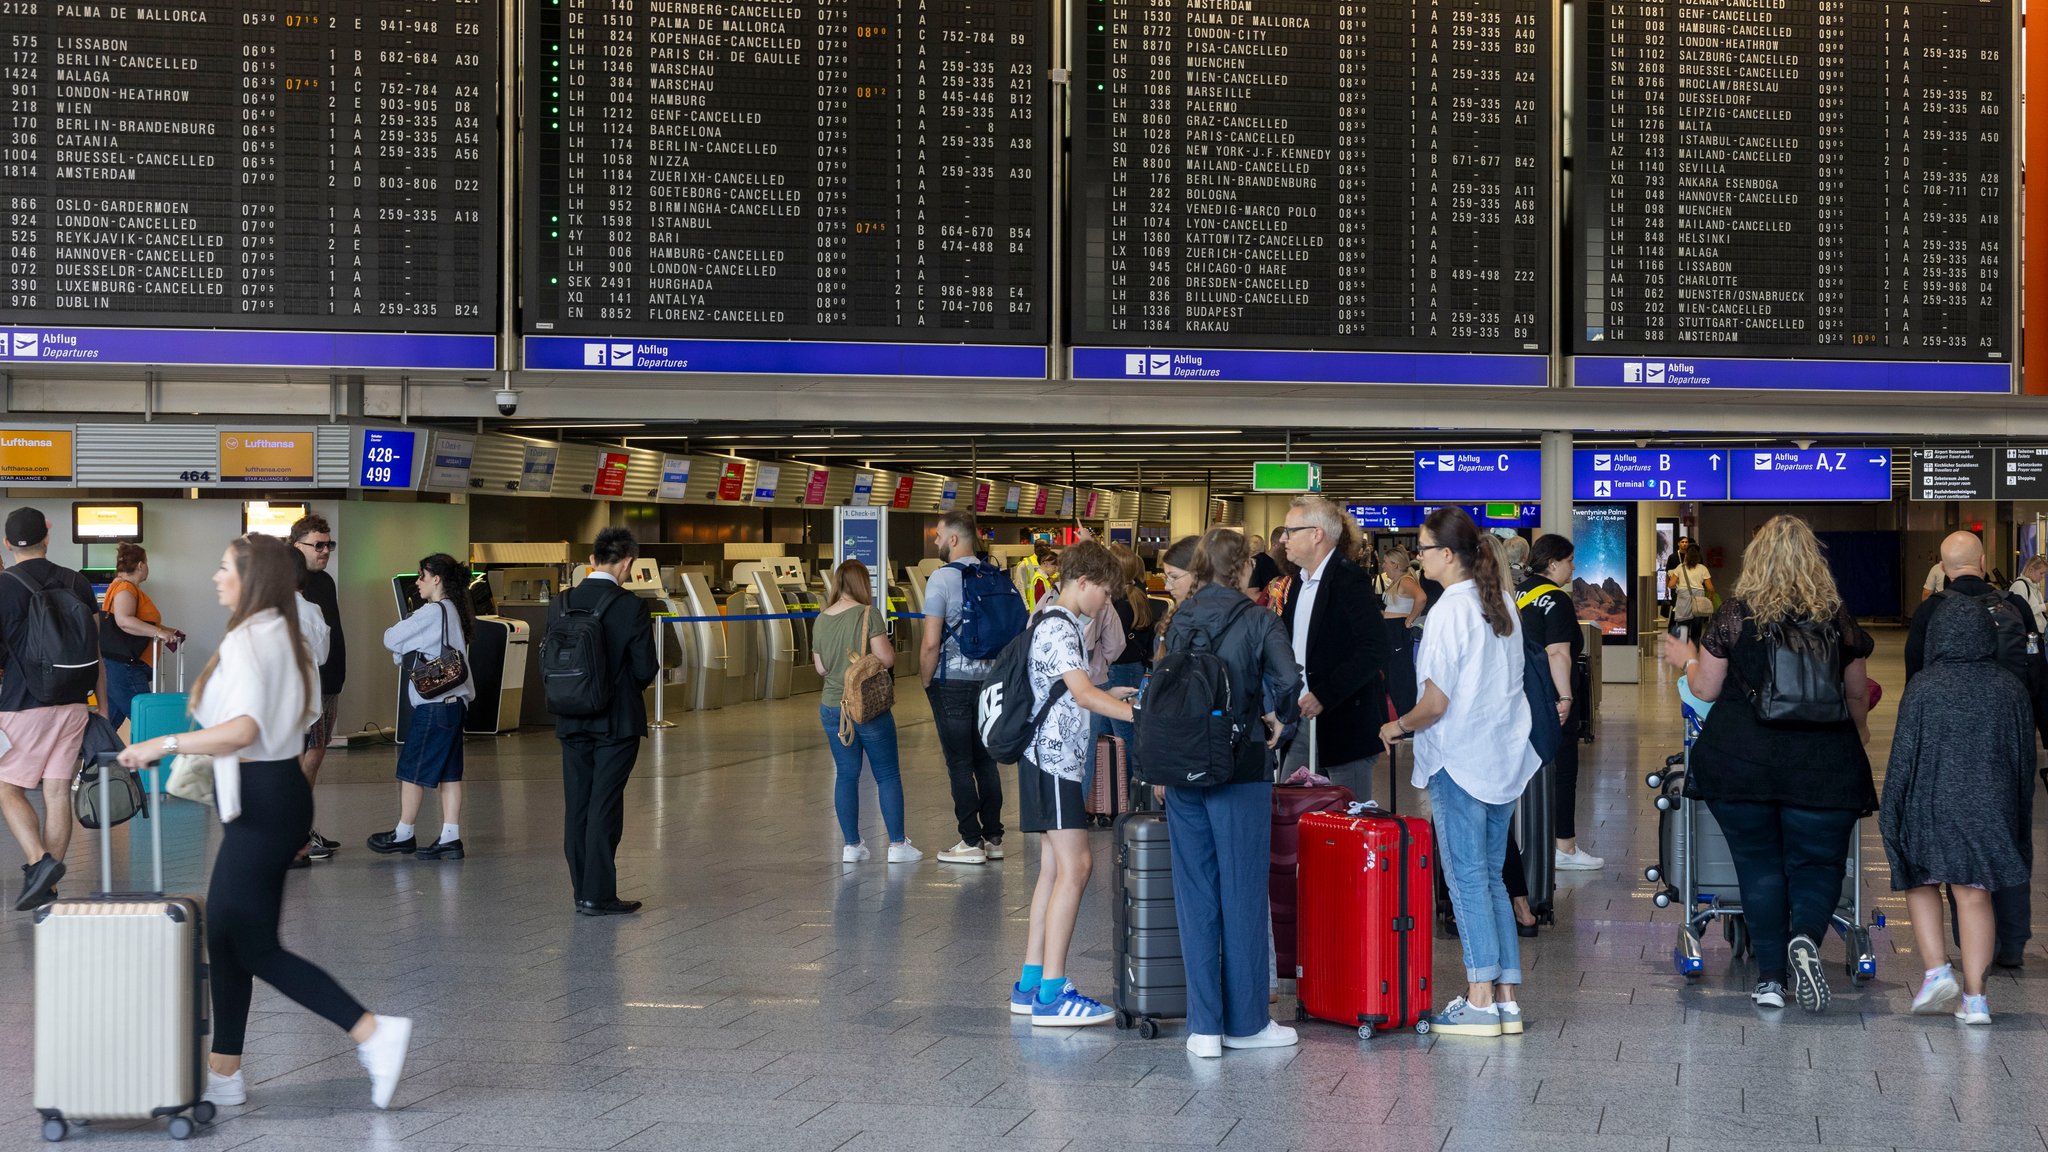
(991, 612)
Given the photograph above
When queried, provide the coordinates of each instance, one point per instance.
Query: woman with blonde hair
(1782, 765)
(2032, 586)
(846, 629)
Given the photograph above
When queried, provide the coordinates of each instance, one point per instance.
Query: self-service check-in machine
(705, 647)
(776, 644)
(497, 659)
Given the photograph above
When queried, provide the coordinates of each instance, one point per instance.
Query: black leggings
(245, 897)
(1564, 785)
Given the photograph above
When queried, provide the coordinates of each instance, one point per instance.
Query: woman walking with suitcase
(254, 700)
(1222, 835)
(1472, 754)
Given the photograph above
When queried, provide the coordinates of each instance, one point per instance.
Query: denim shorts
(432, 755)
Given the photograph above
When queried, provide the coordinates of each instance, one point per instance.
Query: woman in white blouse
(1472, 754)
(255, 699)
(2032, 586)
(432, 756)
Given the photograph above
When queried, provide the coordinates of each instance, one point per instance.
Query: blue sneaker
(1071, 1010)
(1022, 1000)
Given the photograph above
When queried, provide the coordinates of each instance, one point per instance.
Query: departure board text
(848, 170)
(1826, 180)
(1357, 174)
(312, 165)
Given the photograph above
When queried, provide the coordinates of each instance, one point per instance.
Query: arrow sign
(1480, 474)
(1648, 474)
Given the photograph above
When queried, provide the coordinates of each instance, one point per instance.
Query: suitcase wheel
(55, 1130)
(182, 1127)
(1123, 1021)
(1365, 1031)
(204, 1111)
(1148, 1028)
(1422, 1027)
(1300, 1014)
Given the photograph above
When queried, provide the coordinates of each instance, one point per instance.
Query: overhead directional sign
(1650, 474)
(1383, 517)
(1449, 476)
(1812, 474)
(2023, 473)
(1954, 474)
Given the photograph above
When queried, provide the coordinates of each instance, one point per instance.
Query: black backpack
(2019, 646)
(1189, 731)
(56, 647)
(1802, 681)
(575, 673)
(1005, 716)
(1546, 733)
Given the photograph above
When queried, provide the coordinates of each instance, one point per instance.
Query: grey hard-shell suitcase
(121, 1006)
(1151, 979)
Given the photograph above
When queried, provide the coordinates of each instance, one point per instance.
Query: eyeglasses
(1284, 533)
(320, 545)
(1434, 547)
(1173, 576)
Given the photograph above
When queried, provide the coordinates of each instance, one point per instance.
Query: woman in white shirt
(1692, 588)
(432, 756)
(1472, 754)
(2032, 586)
(255, 699)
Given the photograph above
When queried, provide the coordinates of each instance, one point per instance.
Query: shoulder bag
(435, 678)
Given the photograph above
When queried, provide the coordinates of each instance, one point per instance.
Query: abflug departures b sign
(1650, 474)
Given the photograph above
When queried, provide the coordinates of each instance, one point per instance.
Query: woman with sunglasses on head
(1472, 755)
(254, 700)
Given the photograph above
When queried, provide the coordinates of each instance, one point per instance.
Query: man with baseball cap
(39, 738)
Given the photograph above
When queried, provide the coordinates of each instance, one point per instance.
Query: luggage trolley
(1695, 871)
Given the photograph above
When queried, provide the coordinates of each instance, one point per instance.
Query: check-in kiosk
(522, 593)
(705, 643)
(776, 644)
(497, 659)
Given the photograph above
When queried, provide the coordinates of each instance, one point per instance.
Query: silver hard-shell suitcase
(121, 1005)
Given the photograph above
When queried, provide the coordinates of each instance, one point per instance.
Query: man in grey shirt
(952, 683)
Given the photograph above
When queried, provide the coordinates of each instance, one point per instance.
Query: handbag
(191, 777)
(123, 799)
(870, 688)
(443, 674)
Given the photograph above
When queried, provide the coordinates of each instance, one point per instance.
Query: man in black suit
(598, 751)
(1333, 616)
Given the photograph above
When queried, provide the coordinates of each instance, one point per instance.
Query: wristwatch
(170, 745)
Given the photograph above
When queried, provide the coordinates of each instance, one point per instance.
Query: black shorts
(1047, 803)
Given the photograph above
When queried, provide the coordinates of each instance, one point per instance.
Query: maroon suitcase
(1290, 804)
(1365, 946)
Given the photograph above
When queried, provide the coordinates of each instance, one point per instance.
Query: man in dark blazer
(1332, 617)
(598, 752)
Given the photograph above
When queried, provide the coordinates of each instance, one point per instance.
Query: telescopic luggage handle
(156, 667)
(108, 763)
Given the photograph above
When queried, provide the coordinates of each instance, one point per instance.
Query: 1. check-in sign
(1649, 474)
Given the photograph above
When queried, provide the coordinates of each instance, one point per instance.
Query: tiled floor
(770, 998)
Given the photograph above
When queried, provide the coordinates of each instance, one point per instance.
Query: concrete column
(1557, 483)
(1187, 510)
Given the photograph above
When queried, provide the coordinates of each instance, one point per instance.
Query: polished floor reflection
(771, 998)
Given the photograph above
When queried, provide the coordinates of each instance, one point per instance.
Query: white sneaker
(993, 848)
(1768, 994)
(226, 1091)
(1579, 860)
(1273, 1035)
(1975, 1010)
(964, 853)
(1206, 1046)
(1936, 992)
(902, 853)
(853, 853)
(383, 1057)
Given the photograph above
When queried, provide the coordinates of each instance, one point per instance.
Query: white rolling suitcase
(121, 1004)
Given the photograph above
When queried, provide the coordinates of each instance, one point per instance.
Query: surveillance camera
(508, 401)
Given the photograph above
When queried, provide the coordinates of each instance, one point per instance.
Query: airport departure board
(850, 170)
(1828, 180)
(307, 164)
(1340, 174)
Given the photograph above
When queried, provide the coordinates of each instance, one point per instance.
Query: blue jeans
(1222, 853)
(124, 683)
(877, 740)
(1791, 862)
(1471, 840)
(1120, 676)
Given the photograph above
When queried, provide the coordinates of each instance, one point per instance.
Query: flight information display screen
(1828, 180)
(857, 170)
(313, 165)
(1356, 175)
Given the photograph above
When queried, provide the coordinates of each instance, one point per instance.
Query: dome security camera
(508, 401)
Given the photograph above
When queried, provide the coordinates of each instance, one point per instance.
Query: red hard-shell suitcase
(1290, 804)
(1363, 942)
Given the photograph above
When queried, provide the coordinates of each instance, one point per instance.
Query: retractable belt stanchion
(661, 719)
